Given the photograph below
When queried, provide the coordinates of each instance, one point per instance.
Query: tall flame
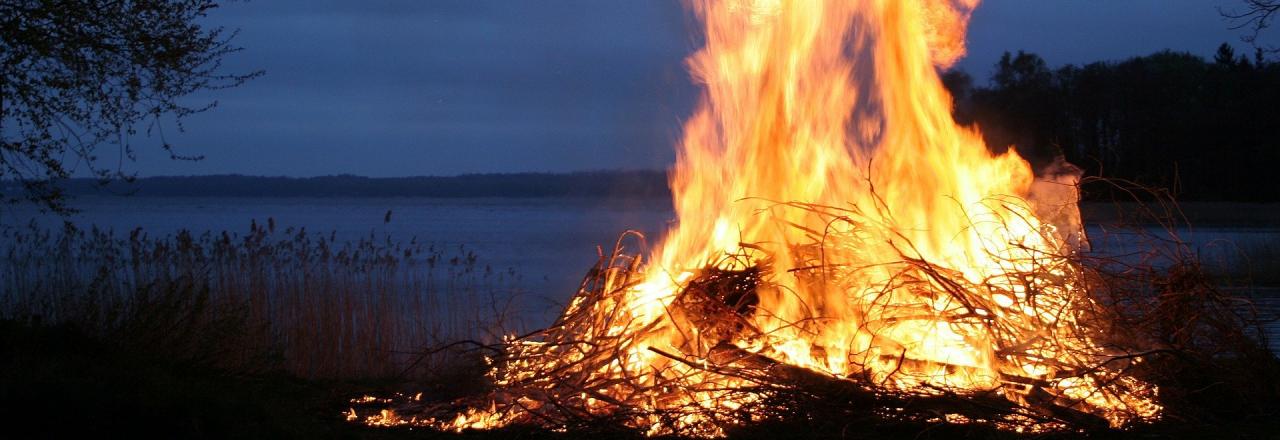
(839, 104)
(899, 249)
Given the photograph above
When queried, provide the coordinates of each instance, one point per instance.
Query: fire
(835, 225)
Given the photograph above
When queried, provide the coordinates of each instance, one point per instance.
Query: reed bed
(310, 304)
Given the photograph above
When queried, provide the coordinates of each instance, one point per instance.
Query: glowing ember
(837, 229)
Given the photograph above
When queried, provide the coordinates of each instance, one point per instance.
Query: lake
(549, 242)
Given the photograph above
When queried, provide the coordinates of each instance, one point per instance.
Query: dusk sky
(403, 88)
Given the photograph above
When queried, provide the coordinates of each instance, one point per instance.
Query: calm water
(550, 242)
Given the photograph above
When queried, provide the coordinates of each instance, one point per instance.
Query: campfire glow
(837, 230)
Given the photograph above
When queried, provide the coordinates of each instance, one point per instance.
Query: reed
(310, 304)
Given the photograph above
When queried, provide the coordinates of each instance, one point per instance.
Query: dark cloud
(391, 88)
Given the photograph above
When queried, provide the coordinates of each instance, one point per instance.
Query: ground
(59, 382)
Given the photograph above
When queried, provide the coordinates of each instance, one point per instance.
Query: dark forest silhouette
(1205, 129)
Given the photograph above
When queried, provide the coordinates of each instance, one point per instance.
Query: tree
(1204, 128)
(1225, 56)
(1025, 70)
(1022, 93)
(84, 75)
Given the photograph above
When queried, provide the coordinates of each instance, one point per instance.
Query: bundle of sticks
(593, 368)
(598, 366)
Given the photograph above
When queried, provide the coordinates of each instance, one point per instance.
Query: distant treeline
(581, 184)
(1206, 129)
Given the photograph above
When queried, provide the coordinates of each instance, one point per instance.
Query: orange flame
(825, 141)
(839, 104)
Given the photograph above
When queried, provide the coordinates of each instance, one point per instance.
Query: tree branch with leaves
(83, 77)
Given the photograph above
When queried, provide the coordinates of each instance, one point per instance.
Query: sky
(444, 87)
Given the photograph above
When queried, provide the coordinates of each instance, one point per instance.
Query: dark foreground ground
(57, 382)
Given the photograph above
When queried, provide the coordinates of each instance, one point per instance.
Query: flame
(839, 104)
(900, 250)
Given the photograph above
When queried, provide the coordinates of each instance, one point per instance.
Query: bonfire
(840, 239)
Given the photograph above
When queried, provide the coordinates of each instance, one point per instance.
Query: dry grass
(269, 299)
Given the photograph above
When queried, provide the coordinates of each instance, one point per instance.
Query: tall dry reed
(311, 304)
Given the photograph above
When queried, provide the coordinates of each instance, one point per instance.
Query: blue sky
(443, 87)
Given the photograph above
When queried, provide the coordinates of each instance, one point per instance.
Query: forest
(1203, 129)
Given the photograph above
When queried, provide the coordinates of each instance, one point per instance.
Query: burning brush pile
(840, 240)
